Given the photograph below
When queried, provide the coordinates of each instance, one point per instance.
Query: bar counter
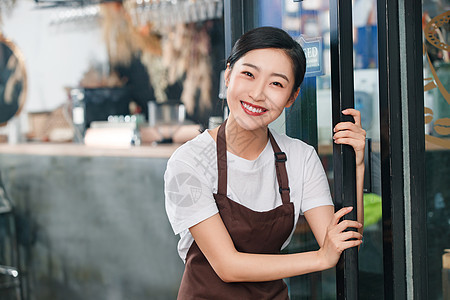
(91, 222)
(69, 149)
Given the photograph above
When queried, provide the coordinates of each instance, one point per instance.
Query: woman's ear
(227, 75)
(292, 98)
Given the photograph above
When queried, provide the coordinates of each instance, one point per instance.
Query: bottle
(78, 115)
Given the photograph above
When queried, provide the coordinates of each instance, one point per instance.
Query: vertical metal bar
(250, 9)
(411, 15)
(415, 102)
(239, 17)
(402, 148)
(232, 23)
(341, 43)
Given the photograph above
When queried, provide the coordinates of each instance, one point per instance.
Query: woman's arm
(318, 219)
(230, 265)
(352, 134)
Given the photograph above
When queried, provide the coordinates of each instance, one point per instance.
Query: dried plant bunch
(123, 40)
(187, 53)
(169, 53)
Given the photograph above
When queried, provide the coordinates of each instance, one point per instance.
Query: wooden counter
(69, 149)
(149, 151)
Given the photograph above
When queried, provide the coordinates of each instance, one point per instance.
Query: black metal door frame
(402, 148)
(239, 17)
(342, 94)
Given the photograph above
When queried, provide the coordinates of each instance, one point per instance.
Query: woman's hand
(352, 134)
(337, 239)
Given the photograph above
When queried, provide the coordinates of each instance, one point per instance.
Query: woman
(235, 204)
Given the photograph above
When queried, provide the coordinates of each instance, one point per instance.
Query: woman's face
(259, 87)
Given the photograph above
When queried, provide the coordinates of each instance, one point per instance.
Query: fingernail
(349, 208)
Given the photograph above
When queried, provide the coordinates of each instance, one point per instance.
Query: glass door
(368, 54)
(436, 60)
(311, 120)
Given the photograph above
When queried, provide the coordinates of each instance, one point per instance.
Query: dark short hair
(271, 37)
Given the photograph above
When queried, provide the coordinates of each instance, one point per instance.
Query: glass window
(309, 23)
(436, 58)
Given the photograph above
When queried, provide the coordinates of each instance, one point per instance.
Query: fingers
(357, 141)
(351, 235)
(349, 134)
(337, 239)
(352, 134)
(350, 244)
(356, 144)
(347, 224)
(338, 226)
(340, 213)
(354, 113)
(342, 239)
(349, 130)
(348, 126)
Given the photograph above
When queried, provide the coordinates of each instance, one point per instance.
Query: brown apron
(251, 232)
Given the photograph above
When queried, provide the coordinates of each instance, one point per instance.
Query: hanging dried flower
(129, 31)
(158, 75)
(123, 40)
(186, 52)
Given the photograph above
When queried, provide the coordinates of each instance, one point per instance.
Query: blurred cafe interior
(95, 96)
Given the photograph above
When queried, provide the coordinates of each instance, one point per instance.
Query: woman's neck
(247, 144)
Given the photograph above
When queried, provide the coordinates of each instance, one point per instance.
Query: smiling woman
(235, 193)
(13, 80)
(259, 87)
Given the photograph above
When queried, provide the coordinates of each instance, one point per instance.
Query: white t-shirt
(191, 180)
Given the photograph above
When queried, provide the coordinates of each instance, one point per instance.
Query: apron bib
(251, 232)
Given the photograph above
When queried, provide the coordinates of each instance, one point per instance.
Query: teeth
(253, 109)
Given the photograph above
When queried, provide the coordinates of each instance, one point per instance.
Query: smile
(253, 110)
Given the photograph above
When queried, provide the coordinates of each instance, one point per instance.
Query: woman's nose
(257, 92)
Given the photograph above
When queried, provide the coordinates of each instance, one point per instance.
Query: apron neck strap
(280, 165)
(222, 160)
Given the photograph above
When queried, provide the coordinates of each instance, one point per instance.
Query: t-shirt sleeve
(316, 191)
(188, 196)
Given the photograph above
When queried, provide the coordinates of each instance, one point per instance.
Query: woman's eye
(248, 73)
(277, 84)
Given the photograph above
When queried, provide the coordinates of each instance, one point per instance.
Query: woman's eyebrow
(251, 66)
(273, 74)
(281, 75)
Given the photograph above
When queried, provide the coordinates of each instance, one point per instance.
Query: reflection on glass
(309, 20)
(436, 58)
